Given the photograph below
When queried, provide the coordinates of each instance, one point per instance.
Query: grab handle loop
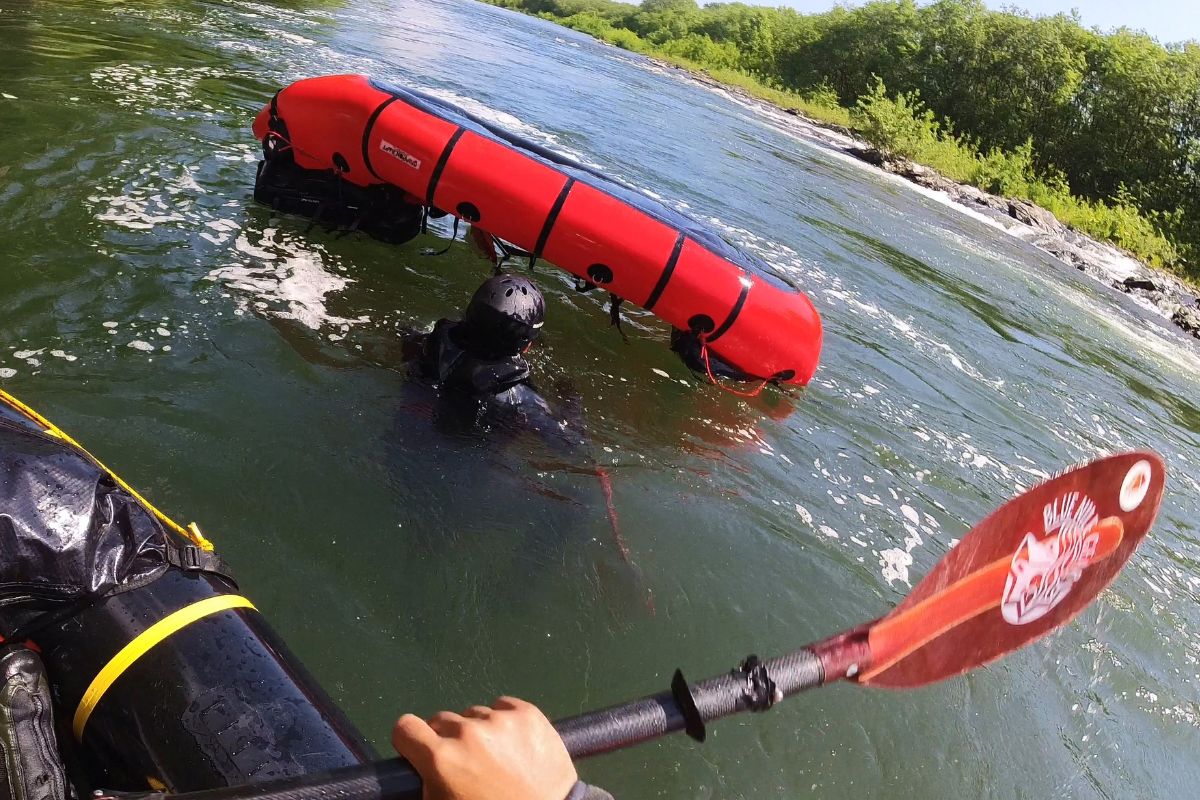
(755, 392)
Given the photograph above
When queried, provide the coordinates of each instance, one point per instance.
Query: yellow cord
(192, 532)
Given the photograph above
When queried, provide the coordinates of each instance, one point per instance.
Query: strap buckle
(193, 558)
(190, 558)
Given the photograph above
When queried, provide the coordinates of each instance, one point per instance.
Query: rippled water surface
(246, 371)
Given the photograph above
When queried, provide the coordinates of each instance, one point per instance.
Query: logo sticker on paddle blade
(1043, 570)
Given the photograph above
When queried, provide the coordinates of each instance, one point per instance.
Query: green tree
(1005, 98)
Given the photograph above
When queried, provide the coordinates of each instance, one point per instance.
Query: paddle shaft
(754, 686)
(688, 707)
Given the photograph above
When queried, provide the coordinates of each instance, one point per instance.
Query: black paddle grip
(620, 726)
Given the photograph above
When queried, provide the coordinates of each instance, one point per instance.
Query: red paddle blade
(1029, 568)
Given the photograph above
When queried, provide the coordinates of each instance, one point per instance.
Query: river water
(246, 372)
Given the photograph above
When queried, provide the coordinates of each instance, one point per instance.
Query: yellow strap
(191, 532)
(143, 643)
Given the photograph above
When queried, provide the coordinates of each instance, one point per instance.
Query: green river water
(245, 372)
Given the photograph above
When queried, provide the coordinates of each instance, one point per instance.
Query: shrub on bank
(900, 125)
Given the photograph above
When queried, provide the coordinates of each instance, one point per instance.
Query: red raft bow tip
(381, 137)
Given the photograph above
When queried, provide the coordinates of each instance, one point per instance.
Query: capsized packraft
(366, 154)
(164, 676)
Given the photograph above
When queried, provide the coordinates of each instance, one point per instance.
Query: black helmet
(503, 317)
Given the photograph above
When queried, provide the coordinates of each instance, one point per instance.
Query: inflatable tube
(369, 133)
(164, 676)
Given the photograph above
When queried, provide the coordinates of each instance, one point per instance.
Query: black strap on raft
(510, 251)
(692, 347)
(583, 286)
(185, 557)
(446, 249)
(428, 213)
(614, 314)
(277, 142)
(31, 630)
(190, 558)
(351, 228)
(316, 218)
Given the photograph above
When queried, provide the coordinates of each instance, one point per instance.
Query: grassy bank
(903, 127)
(699, 57)
(900, 125)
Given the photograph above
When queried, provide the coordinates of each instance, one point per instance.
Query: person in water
(483, 355)
(508, 750)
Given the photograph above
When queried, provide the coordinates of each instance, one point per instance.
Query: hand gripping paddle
(1027, 569)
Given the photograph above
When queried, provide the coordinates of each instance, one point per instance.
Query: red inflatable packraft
(369, 133)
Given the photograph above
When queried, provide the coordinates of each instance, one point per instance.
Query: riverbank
(1156, 290)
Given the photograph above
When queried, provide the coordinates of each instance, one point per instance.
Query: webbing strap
(713, 379)
(192, 558)
(143, 643)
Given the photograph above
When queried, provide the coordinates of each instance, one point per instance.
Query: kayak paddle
(1027, 569)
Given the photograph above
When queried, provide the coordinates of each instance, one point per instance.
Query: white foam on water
(242, 47)
(154, 13)
(307, 17)
(135, 213)
(923, 342)
(294, 38)
(1170, 347)
(291, 287)
(161, 194)
(895, 563)
(143, 87)
(510, 123)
